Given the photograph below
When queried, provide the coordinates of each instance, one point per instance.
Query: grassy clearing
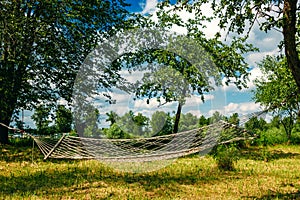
(261, 173)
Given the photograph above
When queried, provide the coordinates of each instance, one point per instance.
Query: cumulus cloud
(149, 6)
(240, 108)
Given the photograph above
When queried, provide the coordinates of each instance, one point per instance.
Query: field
(261, 173)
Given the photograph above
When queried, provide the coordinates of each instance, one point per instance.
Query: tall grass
(260, 173)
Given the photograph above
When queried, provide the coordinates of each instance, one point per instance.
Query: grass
(261, 173)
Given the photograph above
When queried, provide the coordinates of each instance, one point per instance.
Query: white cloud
(149, 7)
(255, 73)
(253, 58)
(241, 108)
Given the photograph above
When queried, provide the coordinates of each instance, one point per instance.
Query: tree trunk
(3, 135)
(289, 33)
(5, 119)
(177, 117)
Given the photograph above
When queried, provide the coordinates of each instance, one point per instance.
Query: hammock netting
(171, 146)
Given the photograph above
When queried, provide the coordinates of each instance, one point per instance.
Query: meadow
(271, 172)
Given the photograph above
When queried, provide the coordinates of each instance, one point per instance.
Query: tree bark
(3, 135)
(5, 119)
(177, 117)
(289, 33)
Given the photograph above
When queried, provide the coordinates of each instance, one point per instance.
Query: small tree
(254, 124)
(188, 121)
(161, 123)
(217, 116)
(234, 119)
(112, 117)
(41, 117)
(278, 91)
(64, 119)
(203, 121)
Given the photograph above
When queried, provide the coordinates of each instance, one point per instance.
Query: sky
(226, 99)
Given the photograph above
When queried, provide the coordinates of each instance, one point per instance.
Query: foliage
(63, 119)
(115, 132)
(21, 142)
(42, 45)
(226, 157)
(278, 91)
(41, 117)
(112, 117)
(188, 121)
(254, 125)
(161, 123)
(90, 124)
(135, 125)
(190, 61)
(216, 116)
(234, 119)
(271, 136)
(203, 121)
(239, 17)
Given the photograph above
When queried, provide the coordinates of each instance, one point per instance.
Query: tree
(217, 116)
(278, 91)
(141, 123)
(112, 117)
(234, 119)
(41, 118)
(89, 127)
(136, 125)
(42, 45)
(115, 132)
(254, 124)
(203, 121)
(188, 121)
(275, 122)
(169, 84)
(63, 119)
(161, 123)
(280, 15)
(214, 59)
(179, 78)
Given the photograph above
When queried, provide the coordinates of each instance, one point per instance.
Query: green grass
(261, 173)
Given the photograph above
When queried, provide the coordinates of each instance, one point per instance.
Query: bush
(226, 156)
(271, 136)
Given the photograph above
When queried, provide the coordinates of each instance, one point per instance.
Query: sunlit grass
(261, 173)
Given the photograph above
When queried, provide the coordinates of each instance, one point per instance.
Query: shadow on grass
(59, 182)
(279, 196)
(51, 178)
(10, 153)
(263, 154)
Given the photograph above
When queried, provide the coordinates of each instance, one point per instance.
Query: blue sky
(226, 99)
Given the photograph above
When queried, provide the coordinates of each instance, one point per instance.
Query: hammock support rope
(142, 149)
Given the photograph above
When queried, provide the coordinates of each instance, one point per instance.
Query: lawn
(261, 173)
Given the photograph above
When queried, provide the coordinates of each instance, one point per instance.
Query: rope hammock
(143, 149)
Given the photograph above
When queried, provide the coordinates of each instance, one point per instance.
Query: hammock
(144, 149)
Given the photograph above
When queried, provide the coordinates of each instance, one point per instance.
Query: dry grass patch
(261, 173)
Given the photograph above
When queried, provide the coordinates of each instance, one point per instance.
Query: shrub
(226, 156)
(271, 136)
